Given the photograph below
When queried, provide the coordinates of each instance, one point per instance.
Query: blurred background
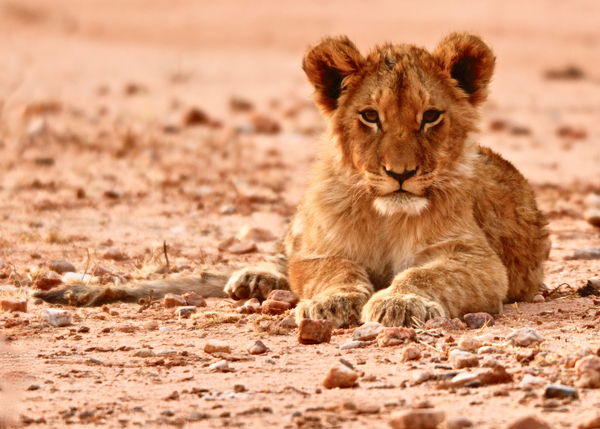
(132, 119)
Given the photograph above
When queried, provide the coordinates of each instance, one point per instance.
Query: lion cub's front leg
(258, 281)
(335, 289)
(450, 286)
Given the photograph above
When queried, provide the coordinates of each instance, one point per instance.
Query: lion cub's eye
(430, 116)
(370, 116)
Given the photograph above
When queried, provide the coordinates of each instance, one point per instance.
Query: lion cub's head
(401, 116)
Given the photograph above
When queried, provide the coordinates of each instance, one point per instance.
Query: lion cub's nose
(401, 177)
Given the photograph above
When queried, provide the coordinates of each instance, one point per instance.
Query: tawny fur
(460, 234)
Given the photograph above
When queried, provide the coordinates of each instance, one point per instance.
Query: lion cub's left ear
(470, 61)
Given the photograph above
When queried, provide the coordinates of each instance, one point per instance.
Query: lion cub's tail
(206, 284)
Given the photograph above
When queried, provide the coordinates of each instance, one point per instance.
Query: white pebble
(57, 317)
(524, 337)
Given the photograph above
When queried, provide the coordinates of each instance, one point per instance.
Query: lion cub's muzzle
(401, 177)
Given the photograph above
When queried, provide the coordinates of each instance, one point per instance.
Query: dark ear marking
(465, 74)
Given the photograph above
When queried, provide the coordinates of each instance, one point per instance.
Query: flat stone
(185, 311)
(56, 317)
(47, 283)
(489, 362)
(539, 298)
(531, 381)
(113, 254)
(60, 266)
(284, 296)
(249, 233)
(314, 331)
(192, 298)
(171, 300)
(216, 346)
(395, 336)
(417, 419)
(273, 307)
(167, 352)
(478, 320)
(461, 359)
(410, 353)
(487, 350)
(13, 305)
(459, 423)
(524, 337)
(589, 380)
(340, 375)
(420, 377)
(257, 348)
(243, 247)
(220, 366)
(288, 322)
(559, 391)
(586, 252)
(128, 329)
(150, 325)
(367, 332)
(142, 353)
(353, 345)
(529, 422)
(592, 216)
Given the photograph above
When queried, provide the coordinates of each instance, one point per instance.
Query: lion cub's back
(506, 211)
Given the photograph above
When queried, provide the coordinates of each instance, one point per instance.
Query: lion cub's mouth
(400, 201)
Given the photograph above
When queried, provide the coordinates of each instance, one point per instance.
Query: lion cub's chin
(389, 205)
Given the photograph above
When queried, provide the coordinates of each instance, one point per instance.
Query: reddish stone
(243, 247)
(47, 283)
(588, 363)
(13, 305)
(192, 298)
(339, 375)
(172, 300)
(529, 422)
(61, 266)
(284, 296)
(314, 331)
(441, 323)
(273, 307)
(417, 419)
(395, 336)
(478, 320)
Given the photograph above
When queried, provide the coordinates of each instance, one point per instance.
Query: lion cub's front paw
(255, 282)
(342, 309)
(391, 309)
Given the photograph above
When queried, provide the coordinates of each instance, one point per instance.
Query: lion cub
(406, 217)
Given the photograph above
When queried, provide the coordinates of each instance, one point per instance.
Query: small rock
(167, 352)
(164, 329)
(559, 391)
(171, 300)
(489, 362)
(250, 307)
(586, 252)
(340, 375)
(57, 317)
(539, 298)
(128, 329)
(288, 322)
(264, 125)
(220, 366)
(101, 270)
(228, 209)
(314, 331)
(486, 338)
(150, 325)
(13, 305)
(417, 419)
(469, 344)
(142, 353)
(526, 354)
(353, 345)
(284, 296)
(592, 216)
(420, 377)
(529, 422)
(524, 337)
(589, 380)
(531, 381)
(224, 245)
(590, 423)
(113, 254)
(192, 298)
(75, 278)
(587, 363)
(185, 311)
(461, 359)
(441, 323)
(257, 348)
(243, 247)
(459, 423)
(216, 346)
(248, 233)
(395, 336)
(367, 332)
(194, 116)
(410, 353)
(478, 320)
(273, 307)
(487, 350)
(60, 266)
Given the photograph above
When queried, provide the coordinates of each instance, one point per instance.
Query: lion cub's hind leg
(259, 281)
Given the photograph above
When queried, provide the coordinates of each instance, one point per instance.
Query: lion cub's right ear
(327, 65)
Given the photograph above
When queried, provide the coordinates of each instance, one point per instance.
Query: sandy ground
(98, 150)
